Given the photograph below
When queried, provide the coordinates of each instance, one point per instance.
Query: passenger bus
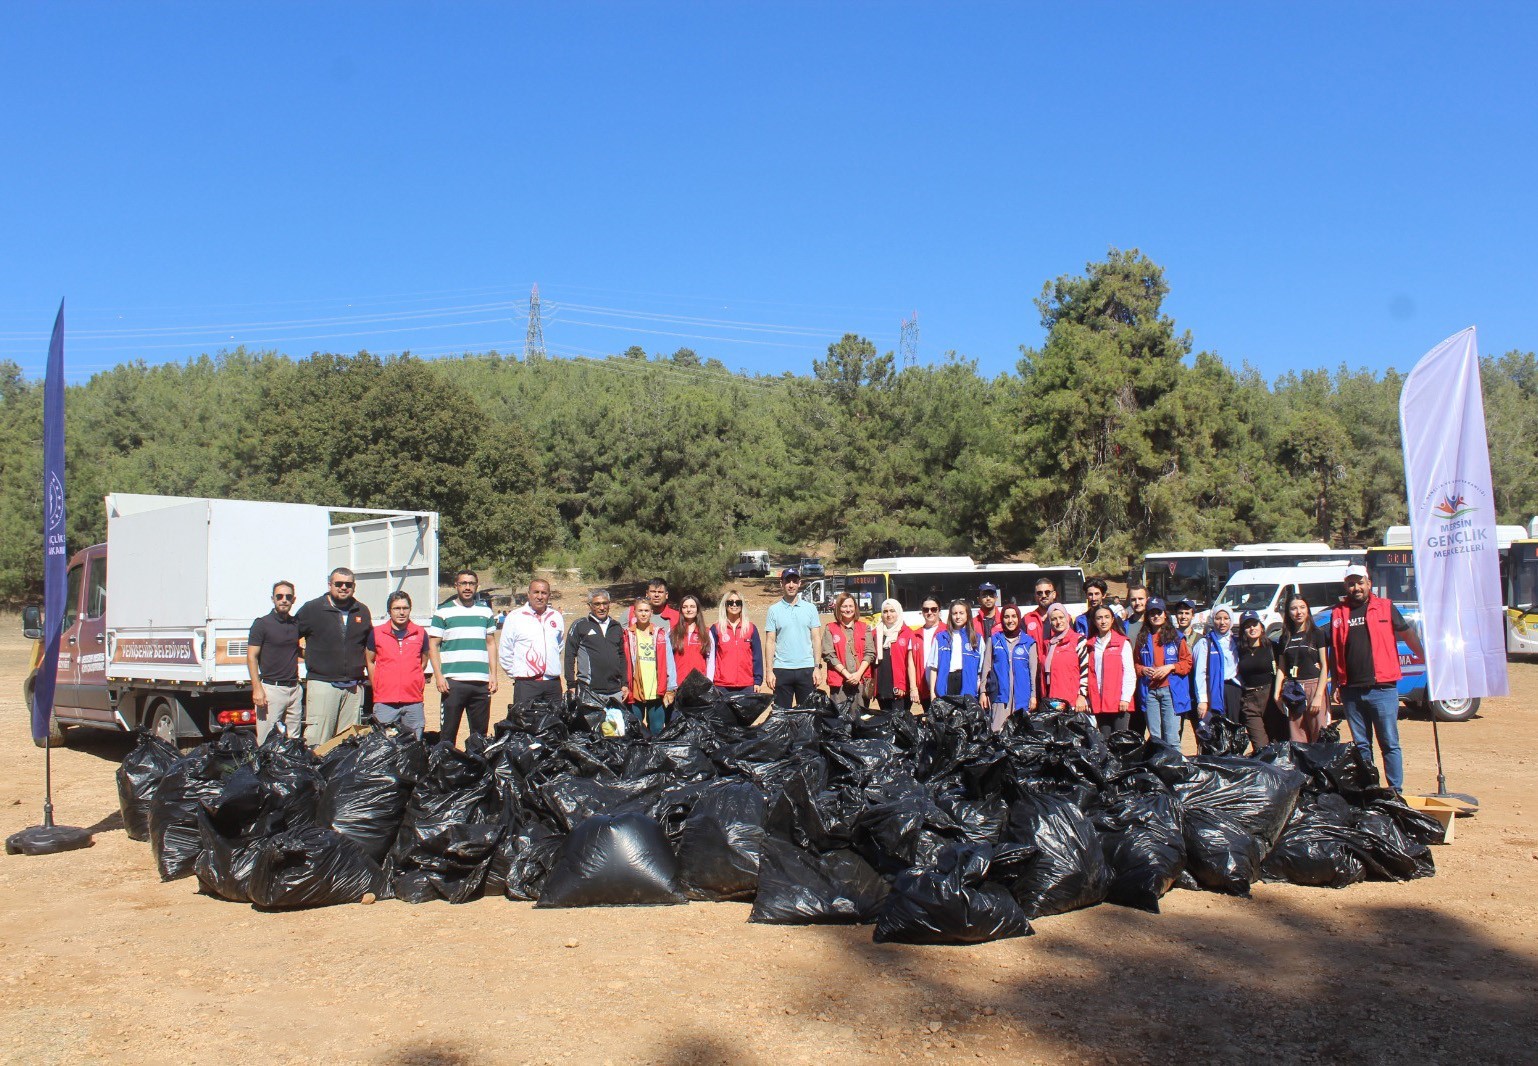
(947, 578)
(1391, 569)
(1199, 576)
(1521, 589)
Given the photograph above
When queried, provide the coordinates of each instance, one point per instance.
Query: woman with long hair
(848, 652)
(1064, 663)
(1161, 652)
(1011, 688)
(1111, 678)
(961, 662)
(737, 651)
(692, 647)
(924, 648)
(894, 659)
(1258, 677)
(1302, 649)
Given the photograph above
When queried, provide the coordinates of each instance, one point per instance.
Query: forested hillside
(1111, 439)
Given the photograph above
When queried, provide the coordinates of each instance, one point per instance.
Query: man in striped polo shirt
(462, 647)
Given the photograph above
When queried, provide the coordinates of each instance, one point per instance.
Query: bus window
(868, 591)
(1177, 578)
(1522, 576)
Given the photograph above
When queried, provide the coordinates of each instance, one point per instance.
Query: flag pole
(48, 838)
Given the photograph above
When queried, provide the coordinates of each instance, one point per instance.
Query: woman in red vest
(924, 650)
(849, 653)
(692, 647)
(1111, 677)
(395, 654)
(894, 659)
(737, 665)
(1064, 663)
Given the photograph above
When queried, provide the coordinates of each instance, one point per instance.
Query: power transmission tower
(908, 344)
(534, 343)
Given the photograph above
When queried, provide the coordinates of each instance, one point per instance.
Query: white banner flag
(1452, 522)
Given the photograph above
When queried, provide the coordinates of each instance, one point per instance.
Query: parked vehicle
(1265, 591)
(1392, 572)
(752, 563)
(158, 639)
(811, 566)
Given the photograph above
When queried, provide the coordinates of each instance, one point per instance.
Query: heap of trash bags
(931, 828)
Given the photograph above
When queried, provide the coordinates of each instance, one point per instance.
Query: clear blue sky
(1324, 184)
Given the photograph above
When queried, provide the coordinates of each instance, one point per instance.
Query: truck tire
(165, 719)
(1454, 710)
(55, 737)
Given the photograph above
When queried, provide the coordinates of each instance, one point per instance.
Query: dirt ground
(100, 960)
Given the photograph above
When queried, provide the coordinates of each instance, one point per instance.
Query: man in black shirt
(272, 657)
(1365, 631)
(595, 651)
(335, 628)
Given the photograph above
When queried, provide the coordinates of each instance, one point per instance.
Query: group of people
(1142, 668)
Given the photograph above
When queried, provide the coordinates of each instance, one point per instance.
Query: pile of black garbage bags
(933, 829)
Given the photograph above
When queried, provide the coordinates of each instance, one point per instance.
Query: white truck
(157, 640)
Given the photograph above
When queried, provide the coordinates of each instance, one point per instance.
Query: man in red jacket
(1365, 631)
(396, 652)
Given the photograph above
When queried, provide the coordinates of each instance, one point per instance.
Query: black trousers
(529, 688)
(794, 685)
(1112, 723)
(468, 699)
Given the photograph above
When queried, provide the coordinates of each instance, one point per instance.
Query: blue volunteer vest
(1179, 689)
(1215, 692)
(971, 665)
(1011, 670)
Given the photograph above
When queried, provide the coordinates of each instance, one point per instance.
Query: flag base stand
(47, 840)
(1441, 792)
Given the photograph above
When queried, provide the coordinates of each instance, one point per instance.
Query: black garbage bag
(141, 771)
(524, 860)
(1143, 838)
(1328, 767)
(910, 829)
(1068, 870)
(312, 867)
(800, 887)
(451, 826)
(1397, 837)
(614, 860)
(198, 777)
(864, 761)
(977, 821)
(228, 856)
(722, 842)
(1319, 847)
(821, 820)
(954, 731)
(542, 716)
(368, 784)
(1223, 736)
(569, 800)
(449, 864)
(951, 903)
(292, 778)
(1234, 810)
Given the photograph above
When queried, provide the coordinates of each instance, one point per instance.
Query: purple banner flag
(55, 553)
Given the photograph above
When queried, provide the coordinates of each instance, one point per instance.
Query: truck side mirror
(32, 622)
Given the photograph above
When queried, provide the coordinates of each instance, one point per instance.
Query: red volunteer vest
(1064, 676)
(734, 655)
(836, 631)
(1105, 693)
(398, 664)
(1380, 630)
(691, 658)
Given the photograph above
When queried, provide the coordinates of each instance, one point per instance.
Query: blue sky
(1323, 184)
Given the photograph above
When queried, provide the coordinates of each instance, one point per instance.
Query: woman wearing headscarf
(894, 659)
(1216, 671)
(1111, 677)
(961, 663)
(1011, 688)
(1161, 652)
(1064, 663)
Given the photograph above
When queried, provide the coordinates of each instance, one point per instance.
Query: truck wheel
(1455, 710)
(164, 720)
(55, 737)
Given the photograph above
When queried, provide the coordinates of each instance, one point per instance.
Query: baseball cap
(1154, 604)
(987, 586)
(790, 573)
(1183, 602)
(1247, 617)
(1356, 570)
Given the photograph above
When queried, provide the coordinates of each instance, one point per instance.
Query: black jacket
(595, 658)
(334, 640)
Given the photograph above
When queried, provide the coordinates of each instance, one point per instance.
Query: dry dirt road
(99, 960)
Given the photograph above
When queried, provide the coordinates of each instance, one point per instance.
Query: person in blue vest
(1013, 657)
(1095, 593)
(1215, 676)
(1163, 661)
(961, 662)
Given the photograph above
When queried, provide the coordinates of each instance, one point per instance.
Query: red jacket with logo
(1380, 630)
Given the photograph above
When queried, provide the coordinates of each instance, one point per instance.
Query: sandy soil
(100, 960)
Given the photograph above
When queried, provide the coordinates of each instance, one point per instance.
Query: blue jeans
(650, 715)
(1163, 723)
(1375, 708)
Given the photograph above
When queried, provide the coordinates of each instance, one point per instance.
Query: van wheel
(55, 737)
(164, 720)
(1455, 710)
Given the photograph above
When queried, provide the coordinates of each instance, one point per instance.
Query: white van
(1265, 591)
